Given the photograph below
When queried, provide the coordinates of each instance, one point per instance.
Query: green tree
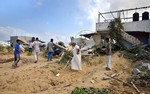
(61, 43)
(115, 29)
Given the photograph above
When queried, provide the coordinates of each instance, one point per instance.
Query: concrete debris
(136, 71)
(92, 81)
(148, 67)
(141, 75)
(125, 67)
(106, 78)
(57, 74)
(113, 75)
(109, 77)
(85, 44)
(145, 64)
(138, 53)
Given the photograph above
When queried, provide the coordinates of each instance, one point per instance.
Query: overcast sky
(58, 19)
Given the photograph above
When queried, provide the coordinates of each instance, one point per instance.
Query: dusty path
(40, 78)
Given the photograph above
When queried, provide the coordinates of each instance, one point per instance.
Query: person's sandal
(108, 68)
(35, 61)
(14, 66)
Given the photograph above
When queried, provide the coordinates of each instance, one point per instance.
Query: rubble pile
(98, 50)
(141, 75)
(138, 53)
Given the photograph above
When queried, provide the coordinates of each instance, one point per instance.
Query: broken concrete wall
(79, 41)
(97, 39)
(89, 43)
(84, 42)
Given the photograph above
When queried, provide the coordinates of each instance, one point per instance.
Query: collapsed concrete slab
(85, 44)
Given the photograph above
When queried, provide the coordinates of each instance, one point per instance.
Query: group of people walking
(35, 45)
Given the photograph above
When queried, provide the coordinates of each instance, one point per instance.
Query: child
(17, 52)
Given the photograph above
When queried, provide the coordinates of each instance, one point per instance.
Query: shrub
(91, 90)
(9, 48)
(2, 48)
(26, 49)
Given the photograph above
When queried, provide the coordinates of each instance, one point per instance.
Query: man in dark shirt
(108, 54)
(50, 50)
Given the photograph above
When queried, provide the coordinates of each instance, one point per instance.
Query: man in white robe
(76, 60)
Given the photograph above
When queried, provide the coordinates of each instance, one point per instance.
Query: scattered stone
(57, 74)
(145, 64)
(111, 76)
(92, 81)
(106, 78)
(148, 66)
(136, 71)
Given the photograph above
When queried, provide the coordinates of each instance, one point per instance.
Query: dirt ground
(40, 78)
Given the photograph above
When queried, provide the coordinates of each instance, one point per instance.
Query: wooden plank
(118, 79)
(137, 90)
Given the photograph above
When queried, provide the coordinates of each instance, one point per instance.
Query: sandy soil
(40, 78)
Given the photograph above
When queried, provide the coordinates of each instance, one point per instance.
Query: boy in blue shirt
(17, 52)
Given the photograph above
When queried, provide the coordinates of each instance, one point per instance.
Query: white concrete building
(138, 29)
(25, 39)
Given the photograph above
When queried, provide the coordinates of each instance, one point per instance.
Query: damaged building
(137, 28)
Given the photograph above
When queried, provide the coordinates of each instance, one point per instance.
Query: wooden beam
(118, 79)
(59, 46)
(137, 90)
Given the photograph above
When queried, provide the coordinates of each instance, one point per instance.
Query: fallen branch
(68, 85)
(133, 85)
(137, 90)
(118, 79)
